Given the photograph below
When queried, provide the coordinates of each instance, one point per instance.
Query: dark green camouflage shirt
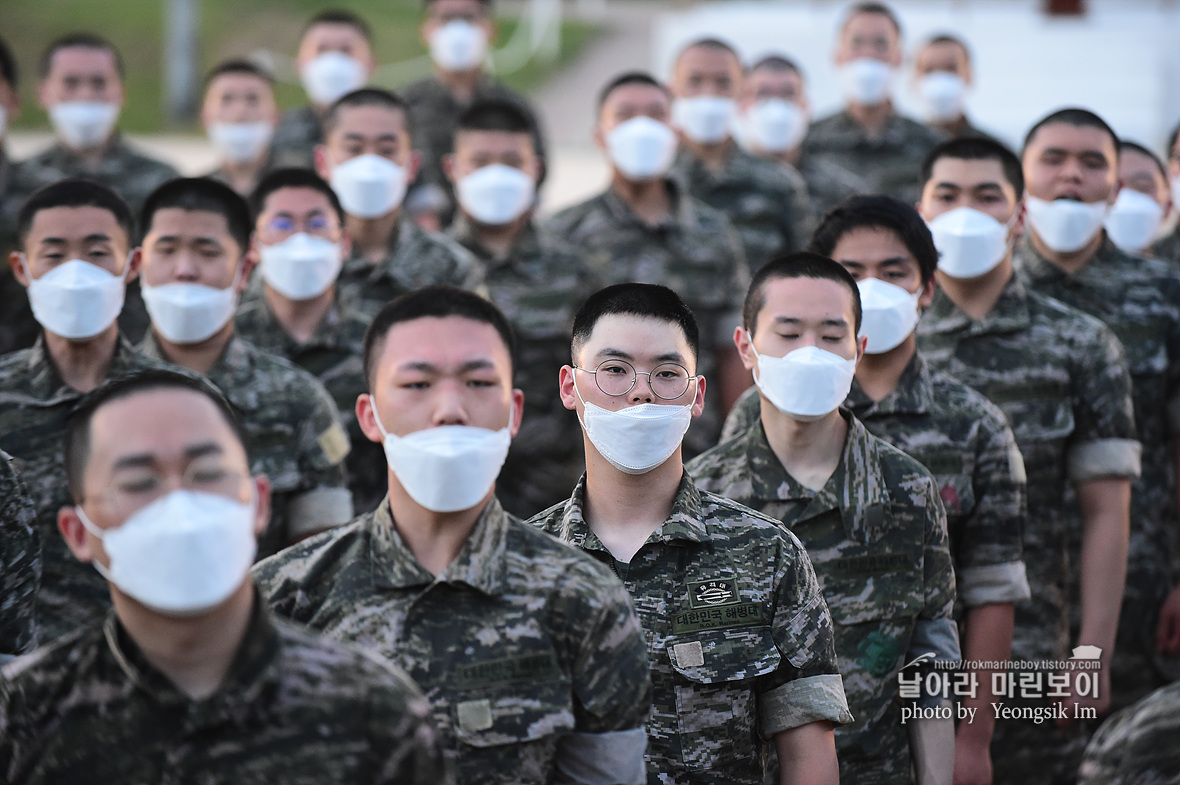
(876, 534)
(1061, 378)
(694, 251)
(18, 328)
(519, 641)
(293, 709)
(767, 205)
(1168, 248)
(293, 436)
(828, 184)
(34, 406)
(738, 635)
(296, 137)
(20, 563)
(890, 161)
(1137, 746)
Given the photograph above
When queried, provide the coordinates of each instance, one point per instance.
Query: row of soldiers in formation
(799, 633)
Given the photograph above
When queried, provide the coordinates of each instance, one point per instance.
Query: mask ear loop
(93, 528)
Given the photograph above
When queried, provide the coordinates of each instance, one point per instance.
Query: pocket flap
(734, 654)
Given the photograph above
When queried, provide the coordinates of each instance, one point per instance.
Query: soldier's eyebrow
(97, 237)
(146, 459)
(893, 261)
(608, 352)
(478, 364)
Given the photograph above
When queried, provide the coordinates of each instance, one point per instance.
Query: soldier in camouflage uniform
(1139, 299)
(1137, 746)
(946, 54)
(869, 516)
(1061, 377)
(239, 115)
(739, 636)
(646, 229)
(768, 206)
(868, 136)
(390, 254)
(539, 281)
(20, 563)
(319, 333)
(39, 386)
(249, 700)
(529, 652)
(18, 328)
(1168, 248)
(196, 238)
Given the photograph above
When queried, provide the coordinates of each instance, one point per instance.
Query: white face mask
(458, 46)
(807, 384)
(185, 313)
(302, 266)
(241, 143)
(369, 186)
(181, 555)
(867, 82)
(83, 124)
(890, 314)
(642, 148)
(636, 439)
(942, 95)
(1066, 225)
(448, 468)
(77, 300)
(496, 194)
(771, 126)
(1133, 220)
(705, 119)
(329, 76)
(970, 243)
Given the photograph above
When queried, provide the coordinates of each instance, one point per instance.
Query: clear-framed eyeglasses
(668, 381)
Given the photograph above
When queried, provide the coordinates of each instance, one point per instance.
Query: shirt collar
(233, 373)
(1010, 314)
(46, 381)
(526, 245)
(682, 212)
(1038, 270)
(914, 393)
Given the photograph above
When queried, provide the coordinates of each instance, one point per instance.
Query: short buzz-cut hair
(365, 96)
(645, 300)
(1126, 144)
(776, 63)
(877, 212)
(800, 264)
(948, 38)
(1075, 116)
(710, 42)
(630, 77)
(1172, 137)
(80, 41)
(8, 69)
(200, 194)
(76, 443)
(239, 66)
(437, 302)
(339, 16)
(495, 114)
(872, 8)
(293, 177)
(976, 148)
(487, 4)
(74, 192)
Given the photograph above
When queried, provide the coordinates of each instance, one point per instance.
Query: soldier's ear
(321, 161)
(74, 533)
(745, 346)
(20, 270)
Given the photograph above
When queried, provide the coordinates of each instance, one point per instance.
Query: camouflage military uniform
(695, 251)
(1061, 377)
(965, 443)
(827, 183)
(1138, 745)
(293, 436)
(34, 406)
(416, 258)
(1168, 248)
(222, 176)
(890, 161)
(767, 205)
(739, 637)
(519, 641)
(293, 709)
(20, 563)
(18, 328)
(1139, 299)
(333, 354)
(296, 137)
(539, 286)
(876, 534)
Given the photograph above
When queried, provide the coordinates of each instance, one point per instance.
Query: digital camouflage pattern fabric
(876, 534)
(695, 252)
(890, 161)
(34, 406)
(293, 709)
(739, 637)
(298, 132)
(1137, 746)
(333, 354)
(539, 286)
(519, 641)
(767, 205)
(293, 436)
(1138, 299)
(1168, 248)
(18, 328)
(20, 563)
(416, 259)
(827, 183)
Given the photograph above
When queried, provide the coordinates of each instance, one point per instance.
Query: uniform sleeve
(406, 745)
(1172, 289)
(745, 412)
(322, 499)
(938, 580)
(20, 563)
(1104, 442)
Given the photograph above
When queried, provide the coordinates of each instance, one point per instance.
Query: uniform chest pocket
(511, 701)
(1039, 410)
(716, 708)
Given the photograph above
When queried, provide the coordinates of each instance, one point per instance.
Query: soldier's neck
(624, 509)
(195, 653)
(435, 538)
(243, 177)
(871, 118)
(879, 374)
(951, 128)
(809, 451)
(498, 240)
(1068, 262)
(83, 365)
(790, 157)
(713, 156)
(197, 357)
(299, 318)
(373, 237)
(648, 198)
(976, 297)
(461, 84)
(91, 157)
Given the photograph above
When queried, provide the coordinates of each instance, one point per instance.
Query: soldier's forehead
(74, 58)
(75, 221)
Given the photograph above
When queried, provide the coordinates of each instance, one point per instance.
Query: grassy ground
(228, 28)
